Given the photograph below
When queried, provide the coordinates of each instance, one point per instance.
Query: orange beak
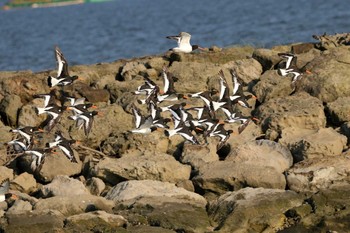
(93, 106)
(308, 72)
(161, 92)
(255, 119)
(185, 97)
(81, 79)
(41, 130)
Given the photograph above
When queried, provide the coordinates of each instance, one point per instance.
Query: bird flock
(189, 122)
(55, 103)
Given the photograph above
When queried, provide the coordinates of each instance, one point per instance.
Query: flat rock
(35, 221)
(219, 177)
(70, 206)
(319, 173)
(252, 210)
(72, 187)
(272, 85)
(262, 153)
(322, 143)
(25, 182)
(339, 110)
(159, 166)
(135, 189)
(291, 111)
(93, 221)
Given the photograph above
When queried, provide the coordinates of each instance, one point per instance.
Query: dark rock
(302, 48)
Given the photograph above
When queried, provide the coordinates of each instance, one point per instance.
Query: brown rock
(302, 48)
(267, 58)
(197, 155)
(92, 95)
(9, 107)
(5, 173)
(25, 182)
(95, 186)
(339, 110)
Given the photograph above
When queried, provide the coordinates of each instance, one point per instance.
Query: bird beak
(93, 106)
(185, 97)
(255, 119)
(161, 92)
(69, 108)
(308, 72)
(81, 79)
(77, 142)
(173, 37)
(197, 128)
(254, 97)
(41, 130)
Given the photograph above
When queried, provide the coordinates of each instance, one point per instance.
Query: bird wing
(4, 186)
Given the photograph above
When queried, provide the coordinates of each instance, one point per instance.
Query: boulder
(95, 186)
(20, 206)
(248, 70)
(272, 85)
(345, 129)
(27, 115)
(25, 182)
(92, 95)
(339, 110)
(262, 153)
(330, 75)
(35, 221)
(197, 155)
(322, 143)
(161, 204)
(219, 177)
(159, 166)
(266, 57)
(252, 210)
(70, 206)
(135, 189)
(94, 221)
(6, 173)
(319, 173)
(9, 107)
(63, 186)
(291, 111)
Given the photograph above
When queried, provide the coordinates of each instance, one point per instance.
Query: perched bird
(183, 43)
(63, 78)
(84, 119)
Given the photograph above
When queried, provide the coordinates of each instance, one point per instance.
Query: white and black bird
(54, 112)
(183, 43)
(38, 156)
(181, 129)
(238, 95)
(19, 146)
(64, 144)
(143, 125)
(85, 120)
(49, 99)
(4, 189)
(27, 132)
(63, 78)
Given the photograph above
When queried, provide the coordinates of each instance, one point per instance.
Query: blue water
(104, 32)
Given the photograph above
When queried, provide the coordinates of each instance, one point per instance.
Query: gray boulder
(339, 110)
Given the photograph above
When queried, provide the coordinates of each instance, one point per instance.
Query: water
(104, 32)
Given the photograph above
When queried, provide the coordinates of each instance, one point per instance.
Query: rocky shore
(287, 172)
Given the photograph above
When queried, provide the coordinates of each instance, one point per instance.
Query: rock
(197, 155)
(57, 164)
(216, 57)
(302, 48)
(70, 206)
(135, 189)
(95, 186)
(345, 129)
(330, 75)
(94, 221)
(250, 133)
(25, 197)
(27, 115)
(262, 153)
(35, 221)
(92, 95)
(266, 57)
(291, 111)
(6, 173)
(131, 69)
(332, 41)
(148, 229)
(219, 177)
(157, 63)
(161, 204)
(319, 173)
(162, 167)
(339, 110)
(20, 206)
(252, 210)
(322, 143)
(9, 107)
(3, 205)
(248, 70)
(63, 186)
(25, 182)
(272, 85)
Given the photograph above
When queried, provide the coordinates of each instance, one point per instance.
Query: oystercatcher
(64, 144)
(63, 77)
(84, 119)
(181, 129)
(143, 125)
